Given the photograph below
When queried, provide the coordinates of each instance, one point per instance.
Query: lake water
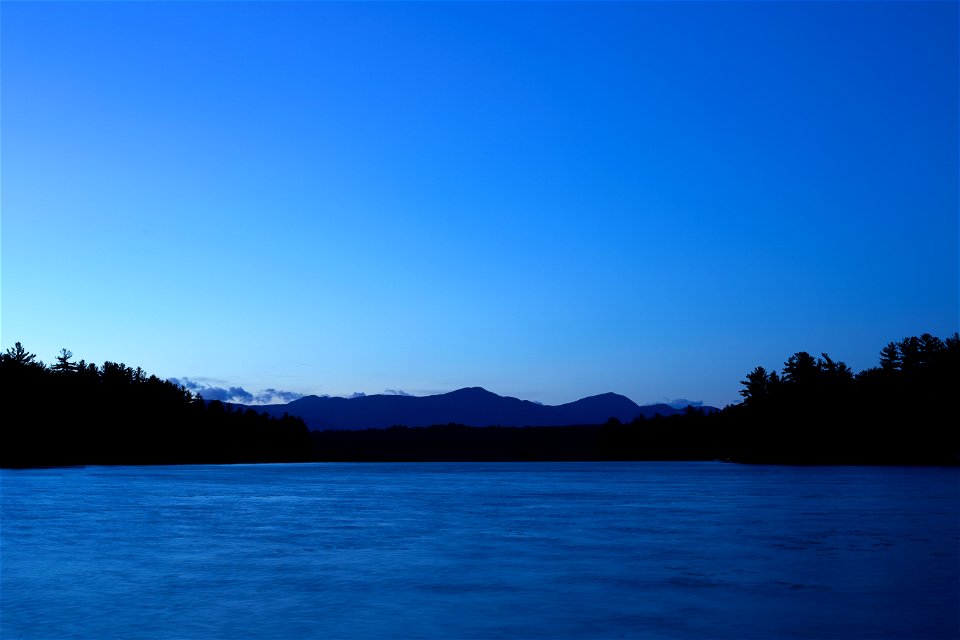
(514, 550)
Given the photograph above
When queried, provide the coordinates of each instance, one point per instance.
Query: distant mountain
(472, 406)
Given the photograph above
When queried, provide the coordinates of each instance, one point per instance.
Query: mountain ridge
(470, 406)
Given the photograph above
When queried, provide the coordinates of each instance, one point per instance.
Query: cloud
(271, 396)
(396, 392)
(186, 383)
(238, 395)
(683, 403)
(357, 394)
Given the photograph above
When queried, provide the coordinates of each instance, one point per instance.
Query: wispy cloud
(237, 394)
(683, 403)
(396, 392)
(277, 394)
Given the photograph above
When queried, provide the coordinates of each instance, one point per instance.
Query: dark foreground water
(528, 550)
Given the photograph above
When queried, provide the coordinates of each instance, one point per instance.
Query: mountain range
(471, 406)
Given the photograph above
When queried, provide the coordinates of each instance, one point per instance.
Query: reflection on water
(520, 550)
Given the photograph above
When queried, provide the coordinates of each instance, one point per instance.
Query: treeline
(690, 436)
(815, 410)
(818, 410)
(75, 413)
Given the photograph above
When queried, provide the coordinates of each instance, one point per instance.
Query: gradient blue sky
(549, 200)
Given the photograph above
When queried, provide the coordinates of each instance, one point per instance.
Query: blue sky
(549, 200)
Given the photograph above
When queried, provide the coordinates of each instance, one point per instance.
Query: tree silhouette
(758, 385)
(833, 371)
(890, 357)
(19, 356)
(800, 369)
(910, 357)
(64, 365)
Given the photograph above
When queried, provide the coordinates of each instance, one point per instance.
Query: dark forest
(73, 413)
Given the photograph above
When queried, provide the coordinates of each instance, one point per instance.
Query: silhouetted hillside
(817, 410)
(75, 413)
(472, 406)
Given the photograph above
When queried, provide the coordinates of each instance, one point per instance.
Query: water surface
(450, 550)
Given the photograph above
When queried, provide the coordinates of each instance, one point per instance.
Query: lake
(480, 550)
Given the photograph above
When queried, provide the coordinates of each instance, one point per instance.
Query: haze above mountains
(471, 406)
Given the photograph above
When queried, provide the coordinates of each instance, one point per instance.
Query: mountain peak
(472, 391)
